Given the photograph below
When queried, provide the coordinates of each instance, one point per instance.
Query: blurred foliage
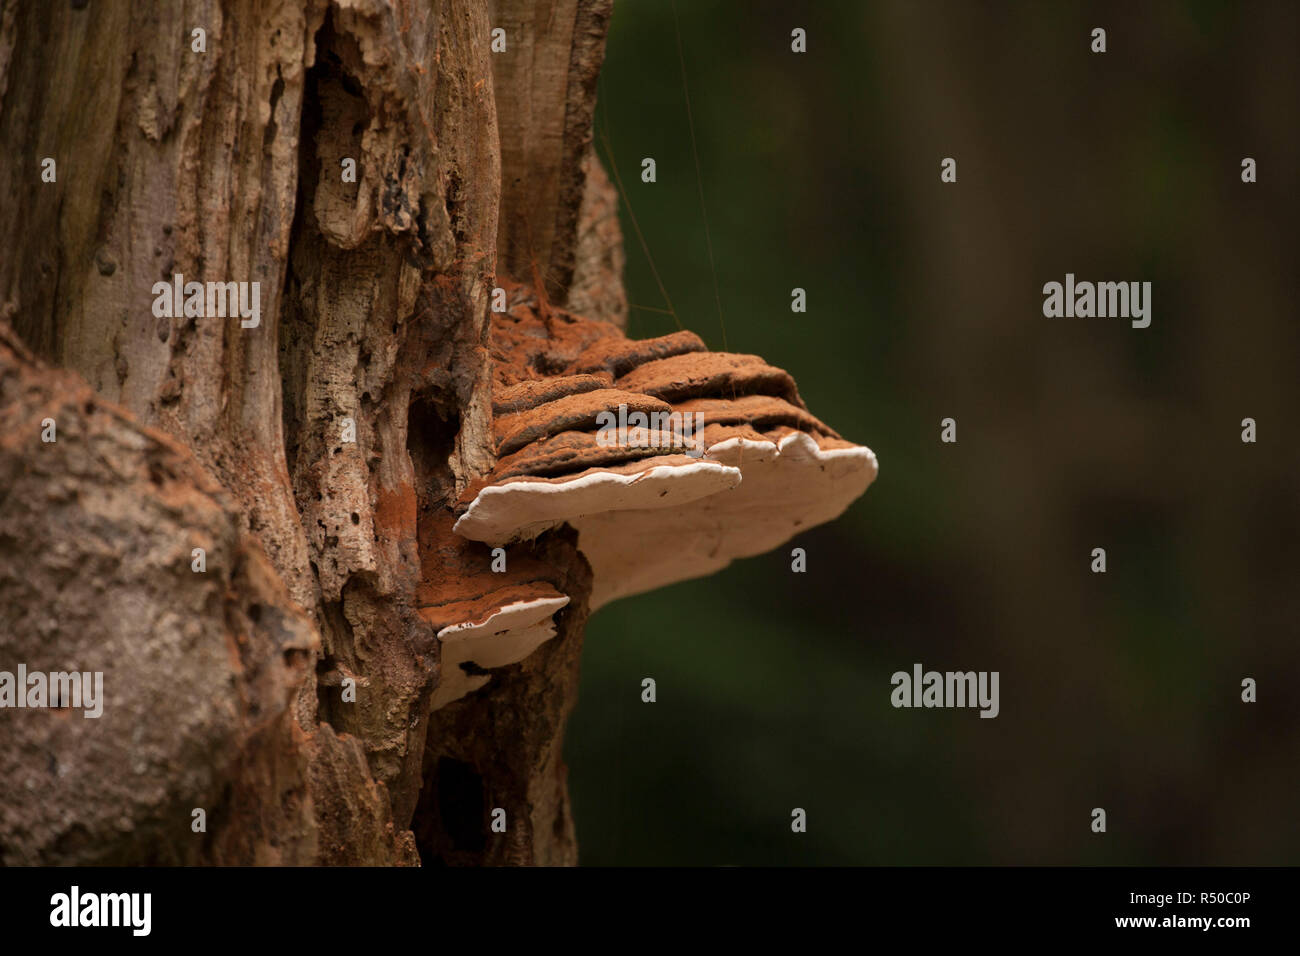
(1121, 690)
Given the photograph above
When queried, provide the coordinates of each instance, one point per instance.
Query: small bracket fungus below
(506, 636)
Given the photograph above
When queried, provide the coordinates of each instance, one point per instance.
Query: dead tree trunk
(275, 468)
(284, 688)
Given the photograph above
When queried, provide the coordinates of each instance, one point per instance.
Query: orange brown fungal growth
(483, 618)
(647, 513)
(571, 412)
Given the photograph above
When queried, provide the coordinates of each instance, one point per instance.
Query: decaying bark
(225, 689)
(370, 664)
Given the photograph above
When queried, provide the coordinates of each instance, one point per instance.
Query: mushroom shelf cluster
(650, 510)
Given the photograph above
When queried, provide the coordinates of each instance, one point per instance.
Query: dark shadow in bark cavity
(431, 431)
(334, 116)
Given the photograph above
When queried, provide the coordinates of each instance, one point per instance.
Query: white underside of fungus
(786, 487)
(506, 636)
(525, 507)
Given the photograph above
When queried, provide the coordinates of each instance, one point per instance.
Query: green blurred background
(1120, 690)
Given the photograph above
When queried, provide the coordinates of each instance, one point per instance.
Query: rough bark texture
(329, 562)
(367, 665)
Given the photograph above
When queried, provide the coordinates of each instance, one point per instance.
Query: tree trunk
(285, 686)
(301, 430)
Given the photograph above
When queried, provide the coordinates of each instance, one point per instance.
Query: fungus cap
(659, 504)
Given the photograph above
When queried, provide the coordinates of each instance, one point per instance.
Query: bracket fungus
(651, 508)
(485, 616)
(506, 636)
